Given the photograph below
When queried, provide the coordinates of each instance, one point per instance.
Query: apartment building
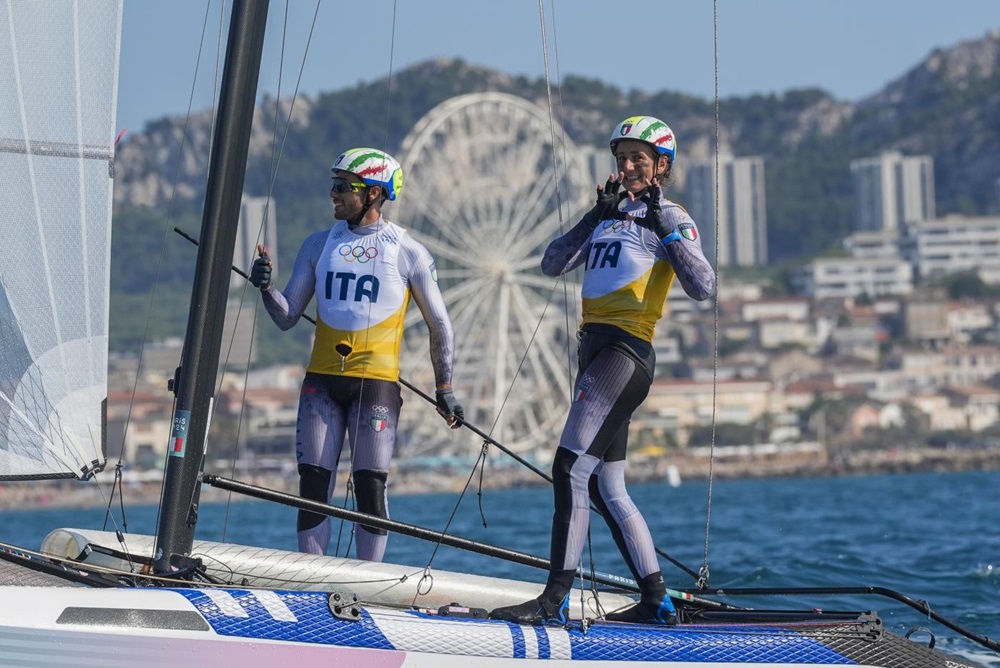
(853, 277)
(892, 190)
(954, 244)
(258, 224)
(873, 244)
(925, 320)
(742, 219)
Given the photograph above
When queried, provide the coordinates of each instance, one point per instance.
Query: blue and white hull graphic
(249, 628)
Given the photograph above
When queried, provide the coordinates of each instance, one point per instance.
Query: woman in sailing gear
(632, 245)
(363, 272)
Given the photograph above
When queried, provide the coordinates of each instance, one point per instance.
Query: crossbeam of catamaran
(422, 533)
(471, 427)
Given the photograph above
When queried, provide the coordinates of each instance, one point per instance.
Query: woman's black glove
(607, 204)
(654, 219)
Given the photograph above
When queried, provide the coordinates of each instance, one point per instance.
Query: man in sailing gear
(363, 272)
(631, 256)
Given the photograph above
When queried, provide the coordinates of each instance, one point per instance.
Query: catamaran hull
(48, 626)
(378, 583)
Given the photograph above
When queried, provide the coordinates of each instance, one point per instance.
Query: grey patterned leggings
(615, 372)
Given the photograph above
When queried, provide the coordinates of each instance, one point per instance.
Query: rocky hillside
(947, 106)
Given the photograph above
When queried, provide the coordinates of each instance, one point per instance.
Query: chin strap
(356, 221)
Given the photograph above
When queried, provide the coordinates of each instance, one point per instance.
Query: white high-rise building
(892, 190)
(742, 209)
(257, 224)
(254, 228)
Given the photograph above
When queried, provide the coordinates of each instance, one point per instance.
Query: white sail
(59, 77)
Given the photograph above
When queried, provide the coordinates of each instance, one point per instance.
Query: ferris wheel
(485, 193)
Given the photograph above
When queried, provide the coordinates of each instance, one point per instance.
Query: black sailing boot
(654, 606)
(551, 608)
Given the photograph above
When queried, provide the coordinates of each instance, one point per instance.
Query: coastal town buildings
(781, 359)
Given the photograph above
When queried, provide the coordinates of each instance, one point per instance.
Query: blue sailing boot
(654, 606)
(552, 607)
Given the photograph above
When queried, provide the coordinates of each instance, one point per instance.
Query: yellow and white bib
(361, 300)
(626, 281)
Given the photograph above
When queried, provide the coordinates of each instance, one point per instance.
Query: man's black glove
(654, 219)
(449, 408)
(260, 273)
(607, 204)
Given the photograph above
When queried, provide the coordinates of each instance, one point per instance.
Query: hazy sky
(847, 47)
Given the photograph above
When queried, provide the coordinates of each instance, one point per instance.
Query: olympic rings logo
(362, 254)
(616, 225)
(379, 409)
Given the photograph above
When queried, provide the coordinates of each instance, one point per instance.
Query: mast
(195, 383)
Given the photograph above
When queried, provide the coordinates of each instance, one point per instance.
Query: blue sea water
(933, 537)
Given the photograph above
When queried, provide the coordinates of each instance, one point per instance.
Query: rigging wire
(564, 279)
(552, 129)
(555, 170)
(481, 459)
(273, 170)
(703, 573)
(162, 253)
(352, 434)
(239, 311)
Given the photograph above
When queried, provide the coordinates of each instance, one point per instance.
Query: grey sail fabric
(59, 77)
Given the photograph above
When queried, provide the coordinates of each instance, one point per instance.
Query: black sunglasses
(342, 185)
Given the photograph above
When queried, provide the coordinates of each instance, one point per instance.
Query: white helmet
(374, 167)
(646, 129)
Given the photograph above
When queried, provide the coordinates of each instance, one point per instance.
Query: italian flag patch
(688, 231)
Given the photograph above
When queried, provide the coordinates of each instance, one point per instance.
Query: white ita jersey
(361, 300)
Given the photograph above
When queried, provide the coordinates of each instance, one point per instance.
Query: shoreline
(642, 469)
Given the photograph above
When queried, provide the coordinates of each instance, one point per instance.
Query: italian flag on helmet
(374, 167)
(647, 129)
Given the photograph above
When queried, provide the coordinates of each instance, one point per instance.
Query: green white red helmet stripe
(359, 160)
(374, 167)
(647, 129)
(650, 135)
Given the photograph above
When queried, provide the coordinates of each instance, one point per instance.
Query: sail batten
(57, 149)
(59, 59)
